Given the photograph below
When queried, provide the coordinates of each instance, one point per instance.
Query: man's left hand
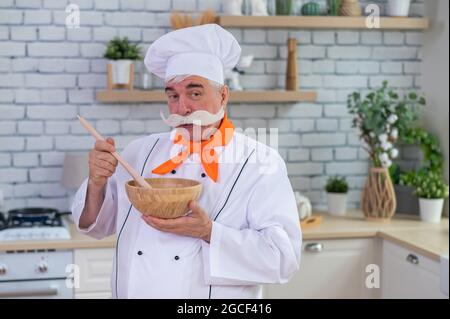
(196, 224)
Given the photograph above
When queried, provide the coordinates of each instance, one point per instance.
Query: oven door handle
(29, 293)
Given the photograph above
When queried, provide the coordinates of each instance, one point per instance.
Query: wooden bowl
(168, 197)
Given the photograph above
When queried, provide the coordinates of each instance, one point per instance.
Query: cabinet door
(330, 269)
(95, 267)
(406, 274)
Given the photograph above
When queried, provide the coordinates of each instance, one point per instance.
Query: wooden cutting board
(310, 222)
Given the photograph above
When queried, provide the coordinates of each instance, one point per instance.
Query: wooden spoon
(138, 178)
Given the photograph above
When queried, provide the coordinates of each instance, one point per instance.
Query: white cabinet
(95, 266)
(331, 269)
(406, 274)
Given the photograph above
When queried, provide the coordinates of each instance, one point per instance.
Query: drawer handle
(413, 259)
(29, 293)
(314, 247)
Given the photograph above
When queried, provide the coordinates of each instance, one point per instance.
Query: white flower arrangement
(378, 118)
(385, 149)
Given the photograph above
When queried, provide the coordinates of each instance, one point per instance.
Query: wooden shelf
(321, 22)
(137, 96)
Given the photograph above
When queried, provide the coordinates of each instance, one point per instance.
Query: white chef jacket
(255, 239)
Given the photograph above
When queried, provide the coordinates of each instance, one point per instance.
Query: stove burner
(33, 217)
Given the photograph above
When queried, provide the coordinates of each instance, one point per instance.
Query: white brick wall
(39, 143)
(348, 37)
(49, 74)
(322, 154)
(305, 169)
(25, 159)
(23, 33)
(38, 17)
(13, 175)
(43, 112)
(52, 33)
(5, 160)
(52, 158)
(31, 127)
(7, 127)
(298, 154)
(111, 127)
(45, 174)
(323, 139)
(349, 52)
(12, 143)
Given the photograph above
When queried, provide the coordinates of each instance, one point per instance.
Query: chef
(241, 233)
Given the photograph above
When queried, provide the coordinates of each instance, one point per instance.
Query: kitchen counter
(431, 240)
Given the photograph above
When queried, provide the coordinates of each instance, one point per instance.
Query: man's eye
(172, 96)
(195, 94)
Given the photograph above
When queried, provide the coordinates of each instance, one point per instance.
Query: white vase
(431, 209)
(121, 71)
(398, 8)
(232, 7)
(259, 8)
(337, 203)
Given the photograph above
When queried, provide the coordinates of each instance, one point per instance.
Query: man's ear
(225, 94)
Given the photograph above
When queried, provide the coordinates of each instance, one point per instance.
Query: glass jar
(297, 7)
(271, 7)
(144, 80)
(247, 7)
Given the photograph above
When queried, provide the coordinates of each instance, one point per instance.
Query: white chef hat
(205, 50)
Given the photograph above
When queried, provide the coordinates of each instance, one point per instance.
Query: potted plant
(121, 54)
(433, 162)
(334, 6)
(337, 189)
(398, 8)
(283, 7)
(380, 118)
(431, 190)
(310, 8)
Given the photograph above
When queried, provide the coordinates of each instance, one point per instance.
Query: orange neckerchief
(205, 149)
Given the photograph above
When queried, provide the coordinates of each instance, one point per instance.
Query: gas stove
(33, 224)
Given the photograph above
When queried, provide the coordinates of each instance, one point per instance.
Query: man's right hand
(102, 164)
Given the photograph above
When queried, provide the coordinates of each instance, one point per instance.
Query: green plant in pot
(121, 54)
(337, 188)
(283, 7)
(311, 8)
(333, 7)
(381, 117)
(432, 191)
(433, 162)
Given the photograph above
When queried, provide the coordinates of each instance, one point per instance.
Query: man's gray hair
(179, 78)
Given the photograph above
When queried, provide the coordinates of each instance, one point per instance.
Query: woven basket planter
(378, 197)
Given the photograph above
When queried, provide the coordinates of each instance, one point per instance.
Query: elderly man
(241, 233)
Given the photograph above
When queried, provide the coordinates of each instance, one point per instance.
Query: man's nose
(183, 106)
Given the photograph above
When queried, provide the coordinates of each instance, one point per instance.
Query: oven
(32, 273)
(36, 274)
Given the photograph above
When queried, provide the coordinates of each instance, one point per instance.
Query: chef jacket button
(139, 253)
(177, 257)
(203, 175)
(173, 171)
